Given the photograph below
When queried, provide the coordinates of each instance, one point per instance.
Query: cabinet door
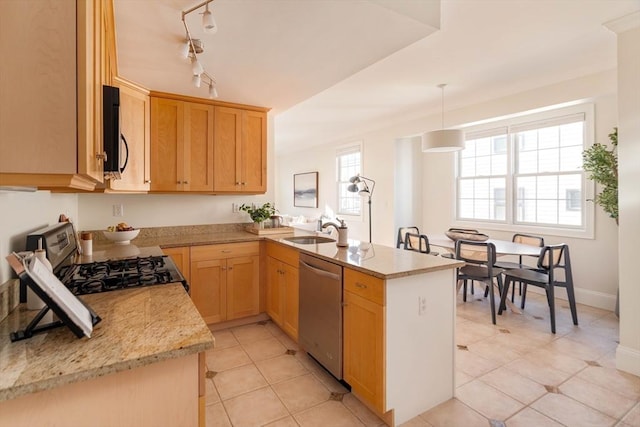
(134, 126)
(198, 147)
(290, 300)
(363, 359)
(181, 258)
(209, 289)
(274, 292)
(228, 136)
(167, 138)
(243, 287)
(253, 172)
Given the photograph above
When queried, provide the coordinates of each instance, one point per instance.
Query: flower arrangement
(602, 165)
(259, 214)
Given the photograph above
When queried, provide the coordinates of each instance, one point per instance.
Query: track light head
(196, 80)
(208, 23)
(213, 93)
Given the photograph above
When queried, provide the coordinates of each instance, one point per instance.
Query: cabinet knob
(230, 268)
(185, 182)
(102, 156)
(237, 183)
(226, 251)
(147, 181)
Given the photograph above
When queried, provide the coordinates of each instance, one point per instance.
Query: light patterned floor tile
(256, 408)
(538, 371)
(621, 382)
(516, 386)
(329, 413)
(633, 416)
(416, 422)
(224, 339)
(570, 412)
(474, 365)
(238, 380)
(363, 413)
(216, 416)
(283, 422)
(250, 333)
(469, 332)
(454, 413)
(281, 368)
(492, 348)
(531, 418)
(226, 358)
(594, 396)
(264, 349)
(559, 361)
(211, 392)
(461, 378)
(301, 393)
(487, 400)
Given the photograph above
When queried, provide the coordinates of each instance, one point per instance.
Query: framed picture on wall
(305, 190)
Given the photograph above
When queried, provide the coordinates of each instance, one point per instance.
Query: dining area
(500, 267)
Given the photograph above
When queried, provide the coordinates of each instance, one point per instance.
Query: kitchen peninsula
(401, 304)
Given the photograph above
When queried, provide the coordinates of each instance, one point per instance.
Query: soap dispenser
(343, 238)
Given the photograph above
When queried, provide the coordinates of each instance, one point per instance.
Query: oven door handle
(126, 147)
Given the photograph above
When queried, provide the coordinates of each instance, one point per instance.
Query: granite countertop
(139, 326)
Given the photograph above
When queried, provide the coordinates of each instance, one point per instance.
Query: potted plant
(602, 165)
(259, 214)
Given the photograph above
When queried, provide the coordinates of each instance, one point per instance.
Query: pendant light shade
(208, 23)
(445, 139)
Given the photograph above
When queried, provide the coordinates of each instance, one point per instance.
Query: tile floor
(515, 373)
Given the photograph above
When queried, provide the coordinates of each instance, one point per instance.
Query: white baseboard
(583, 296)
(628, 360)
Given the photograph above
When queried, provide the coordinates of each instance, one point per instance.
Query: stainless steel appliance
(320, 321)
(101, 276)
(111, 138)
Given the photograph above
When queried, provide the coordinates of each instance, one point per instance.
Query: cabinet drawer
(366, 286)
(287, 255)
(224, 250)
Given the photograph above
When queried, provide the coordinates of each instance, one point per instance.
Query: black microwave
(112, 139)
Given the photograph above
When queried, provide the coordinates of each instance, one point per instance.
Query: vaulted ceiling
(328, 67)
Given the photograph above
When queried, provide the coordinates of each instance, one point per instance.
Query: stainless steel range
(101, 276)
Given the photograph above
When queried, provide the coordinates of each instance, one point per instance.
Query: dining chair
(552, 258)
(402, 231)
(419, 243)
(480, 258)
(525, 239)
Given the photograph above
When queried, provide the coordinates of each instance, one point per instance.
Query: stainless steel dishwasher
(320, 318)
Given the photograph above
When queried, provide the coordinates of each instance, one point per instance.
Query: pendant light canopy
(445, 139)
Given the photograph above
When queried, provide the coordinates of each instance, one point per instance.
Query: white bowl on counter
(121, 237)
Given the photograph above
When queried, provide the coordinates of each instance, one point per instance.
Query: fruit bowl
(121, 237)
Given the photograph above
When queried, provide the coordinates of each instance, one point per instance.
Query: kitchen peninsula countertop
(139, 326)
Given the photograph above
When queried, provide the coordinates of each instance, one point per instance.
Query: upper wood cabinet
(135, 127)
(51, 104)
(181, 146)
(240, 151)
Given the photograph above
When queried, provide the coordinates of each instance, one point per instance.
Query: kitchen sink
(308, 240)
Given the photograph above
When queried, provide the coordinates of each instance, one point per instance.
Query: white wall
(628, 29)
(596, 282)
(23, 213)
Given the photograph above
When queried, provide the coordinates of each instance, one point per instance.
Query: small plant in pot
(259, 214)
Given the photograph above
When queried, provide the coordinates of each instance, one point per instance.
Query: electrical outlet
(422, 305)
(118, 210)
(235, 208)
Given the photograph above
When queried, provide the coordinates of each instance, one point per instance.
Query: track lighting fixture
(192, 47)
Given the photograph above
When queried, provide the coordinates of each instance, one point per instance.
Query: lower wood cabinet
(225, 282)
(282, 287)
(181, 258)
(364, 339)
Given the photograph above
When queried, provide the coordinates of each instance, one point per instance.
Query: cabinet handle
(230, 268)
(237, 183)
(226, 251)
(361, 285)
(102, 156)
(147, 181)
(223, 268)
(178, 182)
(243, 183)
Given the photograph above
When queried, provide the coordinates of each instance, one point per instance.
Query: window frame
(518, 121)
(346, 149)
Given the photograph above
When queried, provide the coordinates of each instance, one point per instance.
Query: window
(527, 172)
(349, 163)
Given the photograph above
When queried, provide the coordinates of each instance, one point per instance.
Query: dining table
(503, 247)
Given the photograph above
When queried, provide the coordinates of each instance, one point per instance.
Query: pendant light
(208, 23)
(443, 140)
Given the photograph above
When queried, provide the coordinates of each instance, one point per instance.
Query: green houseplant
(259, 214)
(602, 165)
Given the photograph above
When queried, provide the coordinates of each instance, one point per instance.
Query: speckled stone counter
(139, 327)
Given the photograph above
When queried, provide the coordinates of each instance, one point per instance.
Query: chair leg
(464, 290)
(503, 290)
(524, 295)
(572, 302)
(552, 307)
(492, 301)
(472, 290)
(486, 290)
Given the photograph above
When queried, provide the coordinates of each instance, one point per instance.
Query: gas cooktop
(111, 275)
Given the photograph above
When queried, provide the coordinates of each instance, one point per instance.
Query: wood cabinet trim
(186, 98)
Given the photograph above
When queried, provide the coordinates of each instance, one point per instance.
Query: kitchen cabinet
(282, 287)
(181, 146)
(225, 280)
(240, 151)
(182, 259)
(135, 126)
(51, 106)
(364, 339)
